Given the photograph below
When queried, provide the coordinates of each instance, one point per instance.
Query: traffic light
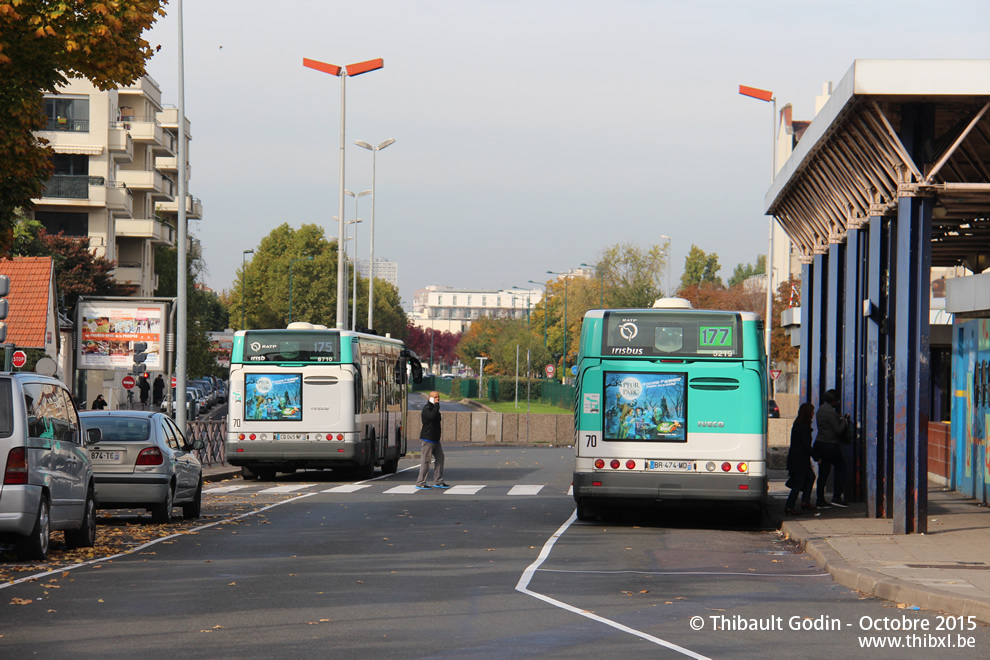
(139, 356)
(4, 306)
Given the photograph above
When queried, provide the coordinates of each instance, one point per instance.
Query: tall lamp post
(666, 294)
(355, 222)
(527, 302)
(343, 73)
(543, 284)
(244, 286)
(601, 283)
(290, 282)
(371, 255)
(764, 95)
(564, 364)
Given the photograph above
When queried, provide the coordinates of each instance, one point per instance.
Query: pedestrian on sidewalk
(800, 473)
(832, 429)
(431, 450)
(158, 391)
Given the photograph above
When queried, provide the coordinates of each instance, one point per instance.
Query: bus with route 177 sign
(671, 406)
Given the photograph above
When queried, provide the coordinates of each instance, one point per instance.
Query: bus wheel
(247, 474)
(266, 474)
(585, 513)
(391, 466)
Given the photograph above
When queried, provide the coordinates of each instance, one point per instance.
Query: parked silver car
(143, 461)
(48, 481)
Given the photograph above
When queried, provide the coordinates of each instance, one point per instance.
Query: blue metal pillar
(807, 320)
(817, 306)
(852, 381)
(874, 369)
(911, 365)
(833, 318)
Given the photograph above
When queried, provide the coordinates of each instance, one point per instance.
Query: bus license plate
(290, 436)
(670, 466)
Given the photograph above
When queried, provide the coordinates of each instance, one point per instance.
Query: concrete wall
(498, 428)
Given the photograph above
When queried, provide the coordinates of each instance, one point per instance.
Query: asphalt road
(493, 568)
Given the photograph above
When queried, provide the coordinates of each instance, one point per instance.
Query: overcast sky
(529, 134)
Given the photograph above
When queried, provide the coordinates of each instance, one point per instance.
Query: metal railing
(212, 433)
(71, 186)
(65, 124)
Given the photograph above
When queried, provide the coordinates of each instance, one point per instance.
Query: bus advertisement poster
(273, 397)
(646, 406)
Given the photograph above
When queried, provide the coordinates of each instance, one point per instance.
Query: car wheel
(162, 513)
(193, 509)
(35, 545)
(85, 536)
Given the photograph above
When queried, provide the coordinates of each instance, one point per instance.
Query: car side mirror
(93, 436)
(197, 445)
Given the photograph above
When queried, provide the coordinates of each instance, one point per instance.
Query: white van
(47, 479)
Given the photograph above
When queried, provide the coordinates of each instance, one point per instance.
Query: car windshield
(119, 429)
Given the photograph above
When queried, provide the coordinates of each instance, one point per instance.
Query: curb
(220, 473)
(879, 585)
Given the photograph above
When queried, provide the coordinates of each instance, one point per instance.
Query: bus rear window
(645, 406)
(291, 346)
(649, 333)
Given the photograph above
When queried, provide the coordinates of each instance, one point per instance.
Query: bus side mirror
(417, 373)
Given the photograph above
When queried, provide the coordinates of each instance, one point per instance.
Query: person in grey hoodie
(430, 436)
(832, 429)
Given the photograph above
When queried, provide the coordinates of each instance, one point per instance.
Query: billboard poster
(221, 344)
(272, 397)
(645, 406)
(107, 331)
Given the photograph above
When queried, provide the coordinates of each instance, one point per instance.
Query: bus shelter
(890, 179)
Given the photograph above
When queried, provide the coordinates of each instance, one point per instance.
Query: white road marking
(350, 488)
(523, 587)
(462, 490)
(525, 490)
(285, 489)
(401, 490)
(225, 489)
(570, 490)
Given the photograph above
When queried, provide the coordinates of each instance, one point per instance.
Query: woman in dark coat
(801, 475)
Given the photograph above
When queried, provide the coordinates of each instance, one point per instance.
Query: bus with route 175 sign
(670, 406)
(310, 397)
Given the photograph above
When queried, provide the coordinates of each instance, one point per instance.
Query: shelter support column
(807, 321)
(816, 304)
(852, 372)
(834, 319)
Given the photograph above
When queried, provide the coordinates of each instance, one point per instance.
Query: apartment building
(385, 270)
(116, 174)
(453, 309)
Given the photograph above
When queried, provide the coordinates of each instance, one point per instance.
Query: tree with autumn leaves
(42, 44)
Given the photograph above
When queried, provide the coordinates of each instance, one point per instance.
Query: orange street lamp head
(756, 93)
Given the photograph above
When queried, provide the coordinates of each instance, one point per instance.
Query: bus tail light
(253, 437)
(743, 486)
(329, 436)
(710, 466)
(340, 436)
(599, 463)
(596, 483)
(614, 464)
(726, 467)
(630, 464)
(743, 467)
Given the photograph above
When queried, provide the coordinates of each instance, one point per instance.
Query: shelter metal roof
(851, 164)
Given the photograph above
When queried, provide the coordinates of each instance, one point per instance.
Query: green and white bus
(310, 397)
(671, 406)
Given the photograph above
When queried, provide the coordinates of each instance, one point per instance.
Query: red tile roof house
(32, 315)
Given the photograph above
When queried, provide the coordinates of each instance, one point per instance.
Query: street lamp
(564, 365)
(543, 284)
(481, 374)
(290, 282)
(666, 294)
(244, 285)
(342, 73)
(371, 256)
(601, 283)
(528, 293)
(764, 95)
(355, 222)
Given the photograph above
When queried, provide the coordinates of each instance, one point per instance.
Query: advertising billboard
(221, 344)
(107, 331)
(645, 406)
(272, 397)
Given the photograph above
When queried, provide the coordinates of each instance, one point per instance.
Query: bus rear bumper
(669, 487)
(298, 455)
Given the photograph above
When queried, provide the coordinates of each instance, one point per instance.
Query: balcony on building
(146, 130)
(159, 233)
(194, 207)
(128, 272)
(120, 143)
(154, 182)
(120, 199)
(74, 190)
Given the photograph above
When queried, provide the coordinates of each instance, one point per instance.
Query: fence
(502, 388)
(498, 428)
(212, 433)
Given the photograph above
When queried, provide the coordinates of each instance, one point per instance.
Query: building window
(71, 224)
(455, 300)
(71, 164)
(484, 301)
(67, 114)
(498, 301)
(439, 301)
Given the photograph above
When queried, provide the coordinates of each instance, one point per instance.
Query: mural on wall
(971, 407)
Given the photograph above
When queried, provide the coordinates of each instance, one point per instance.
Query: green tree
(743, 273)
(42, 44)
(497, 339)
(700, 269)
(632, 275)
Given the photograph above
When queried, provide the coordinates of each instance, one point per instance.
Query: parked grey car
(48, 481)
(143, 461)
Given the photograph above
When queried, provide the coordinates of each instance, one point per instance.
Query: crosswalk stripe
(286, 489)
(350, 488)
(226, 489)
(525, 490)
(570, 491)
(401, 490)
(462, 490)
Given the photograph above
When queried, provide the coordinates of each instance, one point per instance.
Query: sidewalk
(947, 569)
